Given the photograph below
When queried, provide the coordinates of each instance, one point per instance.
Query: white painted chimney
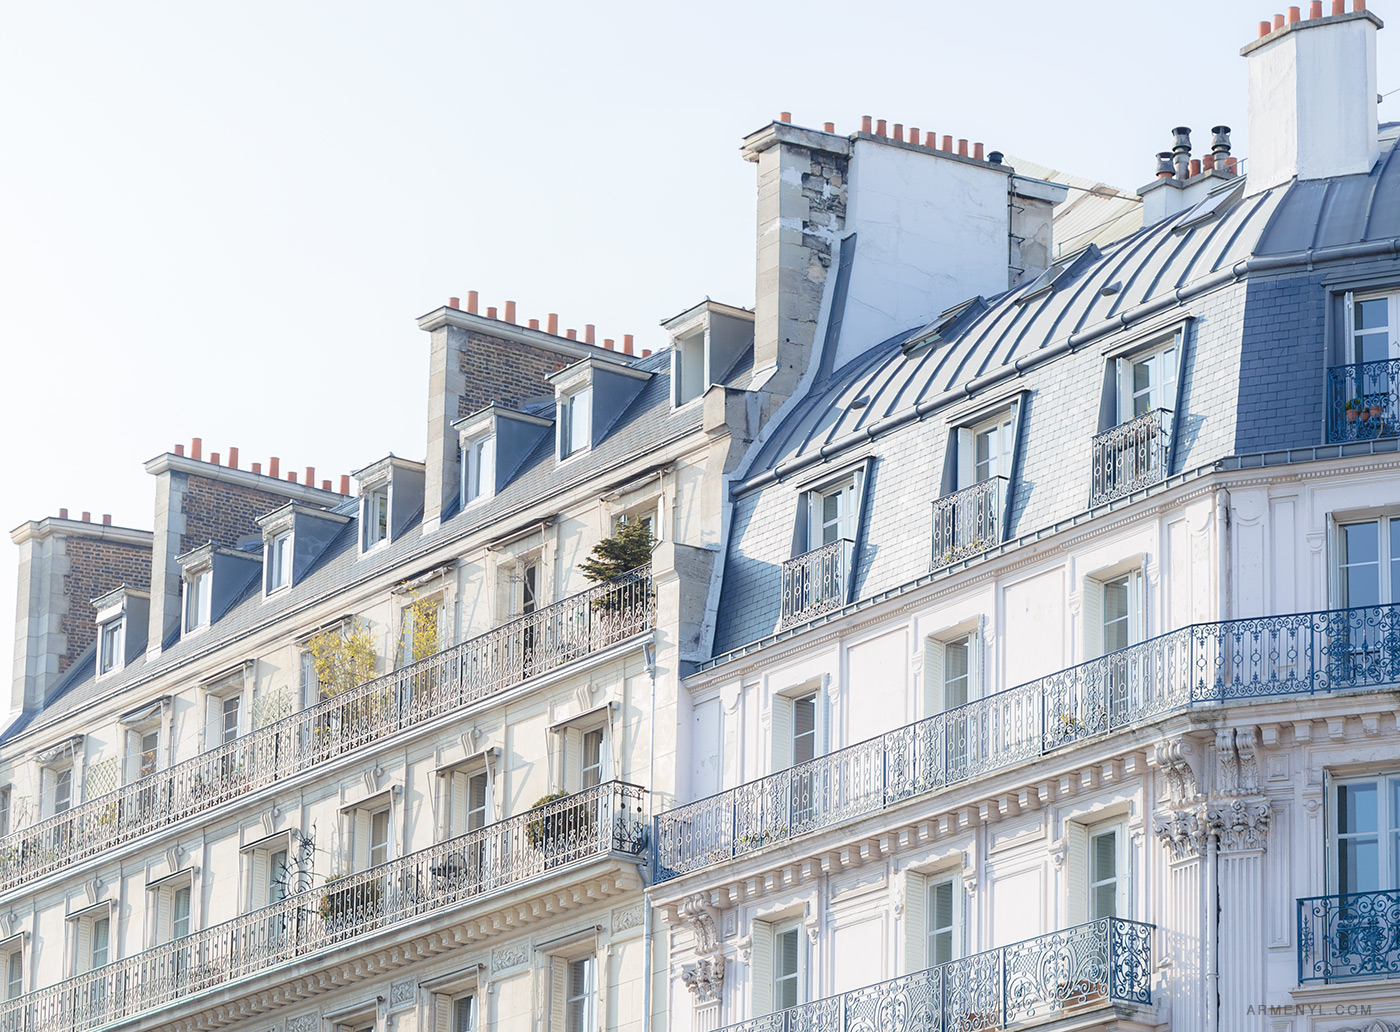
(1312, 97)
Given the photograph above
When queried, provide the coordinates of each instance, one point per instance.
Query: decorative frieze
(305, 1022)
(402, 992)
(511, 955)
(626, 918)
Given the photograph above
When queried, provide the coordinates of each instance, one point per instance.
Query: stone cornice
(169, 462)
(54, 526)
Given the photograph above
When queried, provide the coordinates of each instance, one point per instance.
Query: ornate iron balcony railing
(585, 826)
(1363, 401)
(1131, 456)
(968, 521)
(816, 582)
(1302, 653)
(473, 670)
(1040, 979)
(1356, 935)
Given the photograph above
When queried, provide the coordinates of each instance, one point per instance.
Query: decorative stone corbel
(704, 922)
(745, 948)
(1173, 756)
(1057, 852)
(812, 922)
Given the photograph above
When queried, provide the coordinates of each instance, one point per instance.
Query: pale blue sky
(223, 221)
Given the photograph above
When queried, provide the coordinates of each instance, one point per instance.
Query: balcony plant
(559, 831)
(628, 548)
(344, 903)
(1353, 410)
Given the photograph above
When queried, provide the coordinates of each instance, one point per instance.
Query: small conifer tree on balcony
(628, 548)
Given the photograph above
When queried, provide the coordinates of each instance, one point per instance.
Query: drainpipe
(649, 651)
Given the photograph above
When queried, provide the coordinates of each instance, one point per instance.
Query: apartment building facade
(1016, 646)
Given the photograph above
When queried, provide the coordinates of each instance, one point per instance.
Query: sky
(222, 221)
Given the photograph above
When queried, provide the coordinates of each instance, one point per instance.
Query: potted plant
(1353, 410)
(559, 831)
(342, 904)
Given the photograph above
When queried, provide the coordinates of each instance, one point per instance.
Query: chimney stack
(1181, 151)
(1312, 98)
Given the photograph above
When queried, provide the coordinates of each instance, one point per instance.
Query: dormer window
(708, 343)
(109, 652)
(374, 518)
(478, 468)
(575, 421)
(689, 367)
(197, 598)
(279, 560)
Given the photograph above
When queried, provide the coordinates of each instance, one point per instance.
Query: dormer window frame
(575, 420)
(111, 645)
(114, 618)
(478, 467)
(376, 505)
(278, 562)
(685, 369)
(197, 589)
(707, 341)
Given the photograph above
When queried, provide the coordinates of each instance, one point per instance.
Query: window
(14, 972)
(1366, 834)
(1103, 874)
(579, 1003)
(984, 450)
(941, 924)
(1147, 382)
(1114, 612)
(1098, 871)
(268, 872)
(63, 790)
(688, 367)
(591, 774)
(5, 796)
(374, 517)
(804, 728)
(101, 942)
(478, 468)
(464, 1014)
(1371, 328)
(92, 939)
(787, 968)
(149, 755)
(230, 710)
(310, 680)
(379, 838)
(952, 668)
(575, 422)
(172, 902)
(197, 598)
(797, 728)
(109, 656)
(279, 560)
(833, 515)
(1368, 563)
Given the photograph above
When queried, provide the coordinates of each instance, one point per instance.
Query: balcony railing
(816, 582)
(1351, 936)
(1131, 456)
(968, 521)
(1363, 401)
(1041, 979)
(473, 670)
(588, 825)
(1297, 654)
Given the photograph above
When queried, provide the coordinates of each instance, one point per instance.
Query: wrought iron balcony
(1297, 654)
(588, 825)
(1041, 979)
(1131, 456)
(476, 669)
(1352, 936)
(816, 582)
(968, 521)
(1363, 401)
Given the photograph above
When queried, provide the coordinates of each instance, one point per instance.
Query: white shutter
(573, 759)
(761, 969)
(1137, 606)
(976, 688)
(442, 1012)
(915, 922)
(260, 877)
(164, 896)
(361, 840)
(782, 733)
(48, 782)
(82, 953)
(1091, 617)
(967, 458)
(1124, 382)
(558, 993)
(1077, 872)
(934, 701)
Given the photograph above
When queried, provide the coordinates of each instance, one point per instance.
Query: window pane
(1371, 314)
(14, 975)
(277, 877)
(1106, 856)
(1358, 862)
(1356, 809)
(1105, 900)
(1115, 614)
(785, 987)
(804, 728)
(956, 663)
(464, 1015)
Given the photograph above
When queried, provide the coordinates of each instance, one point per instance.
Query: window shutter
(261, 875)
(82, 960)
(573, 759)
(48, 782)
(1091, 615)
(976, 687)
(558, 993)
(164, 896)
(782, 733)
(476, 797)
(933, 677)
(361, 840)
(442, 1012)
(1137, 606)
(915, 922)
(1077, 871)
(967, 460)
(761, 969)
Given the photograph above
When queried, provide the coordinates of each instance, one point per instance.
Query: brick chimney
(1312, 99)
(63, 565)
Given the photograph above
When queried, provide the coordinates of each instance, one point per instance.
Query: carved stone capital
(1240, 824)
(1183, 833)
(704, 979)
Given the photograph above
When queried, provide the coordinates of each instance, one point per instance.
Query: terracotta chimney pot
(274, 467)
(197, 448)
(471, 301)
